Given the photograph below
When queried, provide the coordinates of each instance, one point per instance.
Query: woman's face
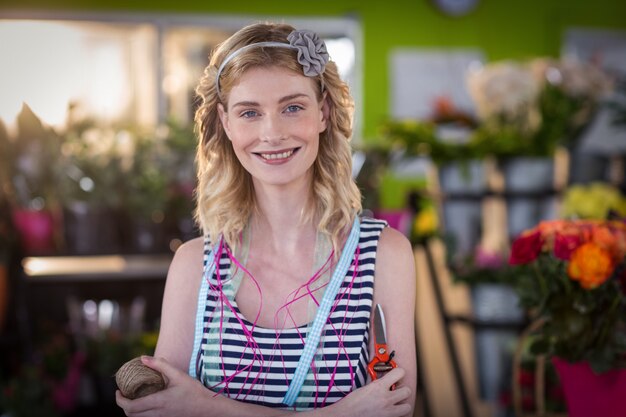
(274, 122)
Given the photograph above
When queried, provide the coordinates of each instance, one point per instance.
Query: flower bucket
(36, 229)
(462, 217)
(494, 303)
(588, 394)
(463, 177)
(89, 229)
(529, 175)
(397, 219)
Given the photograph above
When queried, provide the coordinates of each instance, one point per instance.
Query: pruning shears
(382, 362)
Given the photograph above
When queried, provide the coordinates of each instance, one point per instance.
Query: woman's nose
(271, 130)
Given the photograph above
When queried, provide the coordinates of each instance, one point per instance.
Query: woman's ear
(223, 118)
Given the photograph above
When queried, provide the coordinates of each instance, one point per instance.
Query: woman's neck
(280, 219)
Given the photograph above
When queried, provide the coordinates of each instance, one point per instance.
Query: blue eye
(248, 114)
(294, 108)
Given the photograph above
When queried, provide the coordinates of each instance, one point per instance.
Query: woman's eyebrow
(249, 103)
(245, 104)
(292, 96)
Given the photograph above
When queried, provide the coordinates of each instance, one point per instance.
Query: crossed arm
(185, 396)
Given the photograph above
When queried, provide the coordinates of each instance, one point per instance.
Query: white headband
(312, 53)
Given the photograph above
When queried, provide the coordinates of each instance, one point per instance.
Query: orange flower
(603, 237)
(591, 265)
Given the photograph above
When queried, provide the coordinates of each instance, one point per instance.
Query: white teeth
(281, 155)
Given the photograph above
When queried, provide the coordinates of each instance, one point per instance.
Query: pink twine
(252, 345)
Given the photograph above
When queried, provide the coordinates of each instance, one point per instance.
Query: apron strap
(313, 338)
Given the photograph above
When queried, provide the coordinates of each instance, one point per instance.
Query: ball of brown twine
(134, 379)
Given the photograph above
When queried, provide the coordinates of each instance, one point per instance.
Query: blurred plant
(107, 351)
(597, 200)
(28, 161)
(47, 384)
(162, 174)
(524, 108)
(27, 395)
(531, 108)
(373, 159)
(95, 161)
(146, 184)
(420, 138)
(505, 94)
(442, 136)
(425, 223)
(480, 267)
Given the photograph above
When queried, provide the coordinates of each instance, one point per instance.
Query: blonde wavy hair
(225, 194)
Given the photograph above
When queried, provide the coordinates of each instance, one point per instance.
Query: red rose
(565, 244)
(526, 248)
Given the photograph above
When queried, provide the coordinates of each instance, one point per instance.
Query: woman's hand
(183, 396)
(376, 400)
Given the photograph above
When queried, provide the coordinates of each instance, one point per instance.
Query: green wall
(502, 28)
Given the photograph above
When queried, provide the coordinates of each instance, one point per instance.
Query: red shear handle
(381, 363)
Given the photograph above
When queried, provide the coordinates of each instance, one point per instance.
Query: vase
(590, 394)
(36, 229)
(462, 216)
(495, 303)
(397, 219)
(528, 175)
(90, 229)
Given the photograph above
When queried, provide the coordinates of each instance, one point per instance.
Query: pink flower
(488, 260)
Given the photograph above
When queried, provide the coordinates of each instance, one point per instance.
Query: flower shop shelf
(52, 286)
(95, 268)
(507, 195)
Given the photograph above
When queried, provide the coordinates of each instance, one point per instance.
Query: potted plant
(94, 162)
(29, 176)
(160, 184)
(147, 193)
(573, 282)
(530, 108)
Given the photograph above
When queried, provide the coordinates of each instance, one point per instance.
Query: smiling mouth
(271, 156)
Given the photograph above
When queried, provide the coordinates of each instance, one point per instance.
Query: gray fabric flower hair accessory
(312, 53)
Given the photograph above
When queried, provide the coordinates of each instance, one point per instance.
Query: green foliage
(93, 161)
(28, 395)
(525, 109)
(107, 351)
(420, 139)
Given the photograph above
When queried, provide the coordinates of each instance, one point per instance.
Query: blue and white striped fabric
(341, 358)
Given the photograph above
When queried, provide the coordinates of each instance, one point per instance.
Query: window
(137, 69)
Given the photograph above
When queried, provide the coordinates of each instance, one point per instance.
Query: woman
(287, 268)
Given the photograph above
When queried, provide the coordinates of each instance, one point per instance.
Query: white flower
(507, 90)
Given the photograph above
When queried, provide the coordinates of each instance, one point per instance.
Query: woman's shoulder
(392, 240)
(191, 248)
(188, 259)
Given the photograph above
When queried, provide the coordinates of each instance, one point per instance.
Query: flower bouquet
(574, 281)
